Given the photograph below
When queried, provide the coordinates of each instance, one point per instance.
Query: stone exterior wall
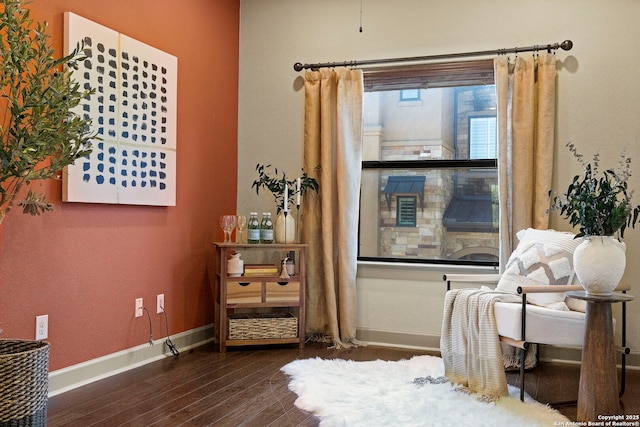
(426, 240)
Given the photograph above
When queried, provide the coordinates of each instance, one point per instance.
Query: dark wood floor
(246, 387)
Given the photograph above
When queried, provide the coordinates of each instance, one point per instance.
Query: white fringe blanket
(469, 342)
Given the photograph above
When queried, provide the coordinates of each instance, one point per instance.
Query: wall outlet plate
(139, 307)
(42, 327)
(160, 303)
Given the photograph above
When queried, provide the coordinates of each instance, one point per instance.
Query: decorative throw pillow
(542, 257)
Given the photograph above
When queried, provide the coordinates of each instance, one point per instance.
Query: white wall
(598, 100)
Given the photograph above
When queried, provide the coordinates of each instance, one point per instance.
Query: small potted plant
(276, 185)
(599, 203)
(295, 188)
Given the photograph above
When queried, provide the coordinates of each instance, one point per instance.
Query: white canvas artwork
(133, 111)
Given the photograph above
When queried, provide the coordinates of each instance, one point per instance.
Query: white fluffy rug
(383, 393)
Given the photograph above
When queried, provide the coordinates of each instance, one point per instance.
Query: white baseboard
(399, 339)
(71, 377)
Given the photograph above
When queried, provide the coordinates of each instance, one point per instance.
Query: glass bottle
(291, 263)
(253, 228)
(266, 228)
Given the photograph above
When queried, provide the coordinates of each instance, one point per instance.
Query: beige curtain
(526, 91)
(332, 155)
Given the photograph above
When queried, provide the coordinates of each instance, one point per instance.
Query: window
(410, 95)
(429, 172)
(407, 210)
(482, 137)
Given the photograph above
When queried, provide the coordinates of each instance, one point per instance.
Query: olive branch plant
(40, 133)
(276, 184)
(598, 202)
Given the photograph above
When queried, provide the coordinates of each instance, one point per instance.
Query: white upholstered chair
(522, 324)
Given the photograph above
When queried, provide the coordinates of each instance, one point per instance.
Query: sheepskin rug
(403, 393)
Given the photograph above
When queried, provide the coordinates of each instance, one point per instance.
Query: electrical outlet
(42, 327)
(139, 307)
(160, 303)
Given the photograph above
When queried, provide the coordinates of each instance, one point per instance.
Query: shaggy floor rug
(405, 393)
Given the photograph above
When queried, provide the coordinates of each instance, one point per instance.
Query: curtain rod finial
(298, 66)
(566, 45)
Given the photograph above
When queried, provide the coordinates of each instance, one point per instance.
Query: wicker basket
(257, 326)
(24, 382)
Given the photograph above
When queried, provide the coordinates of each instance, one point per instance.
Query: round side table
(598, 392)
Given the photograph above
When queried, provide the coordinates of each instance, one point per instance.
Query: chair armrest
(623, 287)
(487, 279)
(546, 289)
(477, 278)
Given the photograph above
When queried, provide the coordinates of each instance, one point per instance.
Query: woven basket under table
(256, 326)
(24, 382)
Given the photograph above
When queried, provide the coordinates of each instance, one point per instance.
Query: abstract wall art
(133, 112)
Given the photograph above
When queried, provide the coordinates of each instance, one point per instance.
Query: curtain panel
(332, 155)
(526, 92)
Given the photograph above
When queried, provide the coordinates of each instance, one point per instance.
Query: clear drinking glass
(223, 225)
(242, 225)
(228, 223)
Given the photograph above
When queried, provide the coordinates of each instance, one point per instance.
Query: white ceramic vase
(599, 262)
(235, 266)
(285, 232)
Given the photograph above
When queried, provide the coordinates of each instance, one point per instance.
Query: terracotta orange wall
(85, 264)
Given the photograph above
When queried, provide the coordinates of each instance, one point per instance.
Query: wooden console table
(598, 392)
(265, 301)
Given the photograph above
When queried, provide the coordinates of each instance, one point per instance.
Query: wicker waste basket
(24, 382)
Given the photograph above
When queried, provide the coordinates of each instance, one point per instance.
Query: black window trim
(429, 164)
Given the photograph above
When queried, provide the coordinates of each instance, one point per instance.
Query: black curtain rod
(565, 45)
